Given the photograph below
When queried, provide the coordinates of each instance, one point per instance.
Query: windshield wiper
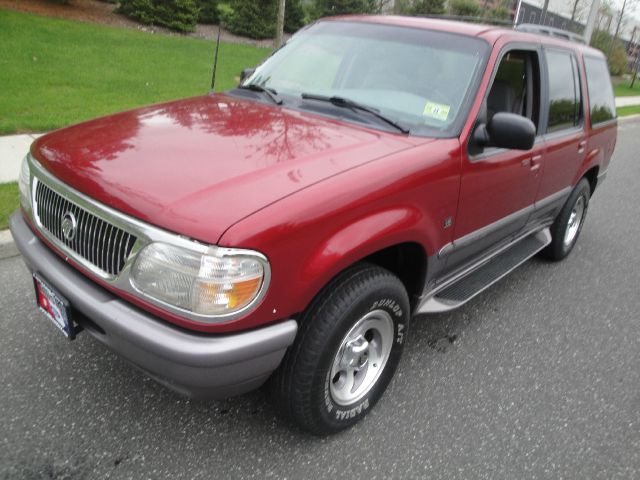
(346, 103)
(270, 92)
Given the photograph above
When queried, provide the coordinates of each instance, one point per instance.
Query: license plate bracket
(55, 307)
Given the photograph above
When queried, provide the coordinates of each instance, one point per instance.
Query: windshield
(418, 78)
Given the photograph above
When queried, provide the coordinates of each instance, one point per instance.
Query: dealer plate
(54, 306)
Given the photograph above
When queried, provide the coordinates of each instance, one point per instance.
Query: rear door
(564, 131)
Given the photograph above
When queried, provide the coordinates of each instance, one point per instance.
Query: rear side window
(603, 105)
(565, 99)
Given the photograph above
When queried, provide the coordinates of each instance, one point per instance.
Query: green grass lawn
(8, 202)
(625, 111)
(57, 72)
(624, 90)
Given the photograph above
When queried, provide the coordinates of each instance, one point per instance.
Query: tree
(631, 4)
(279, 23)
(616, 57)
(257, 18)
(577, 8)
(545, 7)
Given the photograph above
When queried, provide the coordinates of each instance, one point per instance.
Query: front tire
(568, 224)
(349, 345)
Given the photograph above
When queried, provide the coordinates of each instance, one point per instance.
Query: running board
(456, 294)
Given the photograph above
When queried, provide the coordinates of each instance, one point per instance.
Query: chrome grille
(100, 243)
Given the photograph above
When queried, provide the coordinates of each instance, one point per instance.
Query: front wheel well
(408, 261)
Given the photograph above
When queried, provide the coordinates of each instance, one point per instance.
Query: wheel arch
(592, 176)
(407, 261)
(399, 239)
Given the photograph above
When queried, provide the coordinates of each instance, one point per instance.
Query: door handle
(535, 163)
(581, 146)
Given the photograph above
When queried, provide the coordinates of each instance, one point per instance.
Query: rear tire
(568, 224)
(348, 347)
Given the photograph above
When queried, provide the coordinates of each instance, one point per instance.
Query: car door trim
(487, 230)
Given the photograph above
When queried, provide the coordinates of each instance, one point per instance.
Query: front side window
(421, 79)
(516, 85)
(565, 102)
(601, 99)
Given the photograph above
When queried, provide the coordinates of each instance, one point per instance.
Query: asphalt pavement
(539, 377)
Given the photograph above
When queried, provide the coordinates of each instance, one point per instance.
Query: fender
(312, 236)
(594, 158)
(363, 237)
(602, 142)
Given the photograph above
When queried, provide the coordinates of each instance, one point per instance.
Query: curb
(629, 118)
(7, 246)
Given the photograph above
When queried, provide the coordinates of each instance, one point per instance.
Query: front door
(498, 186)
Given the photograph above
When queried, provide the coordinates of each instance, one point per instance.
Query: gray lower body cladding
(194, 364)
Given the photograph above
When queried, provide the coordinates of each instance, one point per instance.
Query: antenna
(215, 59)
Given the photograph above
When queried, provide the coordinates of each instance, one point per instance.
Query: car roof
(490, 33)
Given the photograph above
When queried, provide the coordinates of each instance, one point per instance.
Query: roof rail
(468, 19)
(552, 32)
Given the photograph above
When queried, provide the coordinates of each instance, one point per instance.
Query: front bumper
(195, 364)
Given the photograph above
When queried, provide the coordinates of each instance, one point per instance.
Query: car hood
(199, 165)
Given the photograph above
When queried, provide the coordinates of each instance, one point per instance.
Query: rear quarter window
(601, 100)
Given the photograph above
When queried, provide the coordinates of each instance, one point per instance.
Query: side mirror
(506, 130)
(246, 73)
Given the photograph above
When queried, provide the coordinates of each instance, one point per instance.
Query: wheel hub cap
(356, 354)
(361, 357)
(575, 220)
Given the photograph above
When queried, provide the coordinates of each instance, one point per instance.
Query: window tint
(603, 105)
(564, 91)
(515, 85)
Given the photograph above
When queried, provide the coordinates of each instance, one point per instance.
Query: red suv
(371, 169)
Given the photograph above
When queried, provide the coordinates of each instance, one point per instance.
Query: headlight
(24, 184)
(214, 284)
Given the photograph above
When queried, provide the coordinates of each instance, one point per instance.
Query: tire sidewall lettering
(388, 304)
(341, 413)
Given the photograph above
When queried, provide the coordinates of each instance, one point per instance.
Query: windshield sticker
(439, 111)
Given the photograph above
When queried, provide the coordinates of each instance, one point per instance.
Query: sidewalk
(14, 147)
(627, 101)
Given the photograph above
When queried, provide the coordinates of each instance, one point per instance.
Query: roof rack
(552, 32)
(468, 19)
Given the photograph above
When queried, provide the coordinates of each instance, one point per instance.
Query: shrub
(225, 13)
(257, 18)
(427, 7)
(499, 13)
(617, 60)
(294, 16)
(208, 11)
(253, 18)
(180, 15)
(465, 8)
(326, 8)
(616, 55)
